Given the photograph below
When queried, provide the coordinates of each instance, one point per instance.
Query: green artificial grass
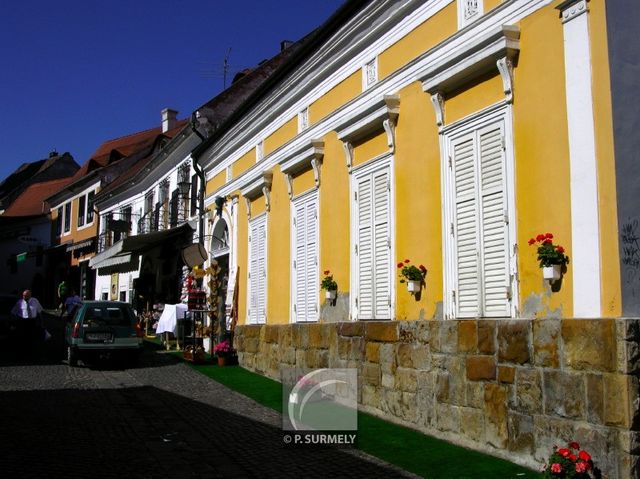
(406, 448)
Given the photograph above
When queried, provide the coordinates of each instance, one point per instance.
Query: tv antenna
(225, 69)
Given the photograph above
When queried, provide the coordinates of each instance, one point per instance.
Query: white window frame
(303, 119)
(312, 281)
(254, 317)
(501, 113)
(382, 162)
(87, 223)
(68, 218)
(465, 16)
(370, 67)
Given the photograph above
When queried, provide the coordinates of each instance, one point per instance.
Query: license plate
(106, 337)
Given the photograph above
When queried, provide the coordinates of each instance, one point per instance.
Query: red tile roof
(31, 201)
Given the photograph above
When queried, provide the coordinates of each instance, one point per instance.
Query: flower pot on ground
(224, 352)
(222, 360)
(330, 294)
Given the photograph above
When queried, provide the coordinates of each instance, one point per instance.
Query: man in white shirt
(27, 307)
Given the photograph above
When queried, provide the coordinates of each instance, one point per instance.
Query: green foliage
(410, 272)
(548, 253)
(328, 283)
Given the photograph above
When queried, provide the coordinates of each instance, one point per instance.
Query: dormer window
(370, 74)
(469, 11)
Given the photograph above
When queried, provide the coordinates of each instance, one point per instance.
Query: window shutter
(300, 270)
(365, 248)
(373, 247)
(382, 244)
(466, 229)
(494, 227)
(312, 274)
(257, 271)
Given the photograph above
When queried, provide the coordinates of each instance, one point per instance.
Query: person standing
(71, 303)
(29, 310)
(63, 291)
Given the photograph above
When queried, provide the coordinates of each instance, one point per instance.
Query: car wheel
(72, 356)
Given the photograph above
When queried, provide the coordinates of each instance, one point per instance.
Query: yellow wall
(347, 89)
(245, 162)
(473, 98)
(334, 213)
(424, 37)
(542, 156)
(216, 182)
(370, 148)
(304, 181)
(418, 201)
(281, 136)
(278, 252)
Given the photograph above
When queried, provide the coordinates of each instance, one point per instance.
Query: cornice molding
(261, 185)
(571, 9)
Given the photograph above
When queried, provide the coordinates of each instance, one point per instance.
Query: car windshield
(109, 316)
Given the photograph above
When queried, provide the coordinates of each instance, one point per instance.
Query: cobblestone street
(160, 419)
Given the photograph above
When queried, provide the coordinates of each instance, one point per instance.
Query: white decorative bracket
(348, 152)
(253, 190)
(289, 179)
(309, 155)
(505, 67)
(437, 100)
(381, 113)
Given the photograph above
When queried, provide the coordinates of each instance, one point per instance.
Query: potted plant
(569, 462)
(412, 275)
(551, 258)
(329, 285)
(224, 352)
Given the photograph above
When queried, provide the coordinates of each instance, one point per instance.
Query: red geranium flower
(584, 455)
(547, 241)
(422, 268)
(573, 444)
(327, 272)
(549, 236)
(564, 452)
(573, 457)
(400, 265)
(540, 237)
(582, 467)
(555, 467)
(532, 241)
(407, 261)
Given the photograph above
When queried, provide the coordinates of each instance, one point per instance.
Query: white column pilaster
(585, 223)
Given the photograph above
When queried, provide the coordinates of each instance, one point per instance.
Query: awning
(135, 245)
(122, 263)
(80, 245)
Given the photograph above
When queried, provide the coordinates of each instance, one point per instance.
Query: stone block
(323, 358)
(409, 406)
(506, 374)
(406, 380)
(392, 402)
(550, 431)
(388, 358)
(316, 339)
(386, 331)
(595, 398)
(486, 337)
(407, 331)
(546, 337)
(420, 357)
(288, 356)
(422, 332)
(616, 400)
(564, 394)
(528, 391)
(474, 394)
(589, 344)
(370, 396)
(404, 355)
(456, 367)
(472, 423)
(388, 381)
(481, 368)
(284, 340)
(352, 328)
(371, 374)
(344, 346)
(449, 336)
(270, 334)
(434, 335)
(628, 346)
(299, 336)
(372, 352)
(495, 411)
(448, 418)
(468, 336)
(521, 436)
(252, 344)
(513, 341)
(442, 387)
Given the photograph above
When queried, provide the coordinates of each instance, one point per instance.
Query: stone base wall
(511, 388)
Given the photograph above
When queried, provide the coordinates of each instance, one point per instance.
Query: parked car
(103, 330)
(8, 322)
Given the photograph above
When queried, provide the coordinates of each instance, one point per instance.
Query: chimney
(53, 154)
(284, 44)
(168, 119)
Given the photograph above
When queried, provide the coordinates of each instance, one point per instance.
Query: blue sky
(76, 73)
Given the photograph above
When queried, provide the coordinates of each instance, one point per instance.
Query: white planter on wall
(330, 294)
(551, 273)
(413, 286)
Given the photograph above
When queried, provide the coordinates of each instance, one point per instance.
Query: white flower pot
(551, 273)
(413, 286)
(330, 294)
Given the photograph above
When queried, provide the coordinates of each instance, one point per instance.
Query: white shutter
(305, 267)
(493, 210)
(382, 245)
(373, 245)
(257, 271)
(467, 292)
